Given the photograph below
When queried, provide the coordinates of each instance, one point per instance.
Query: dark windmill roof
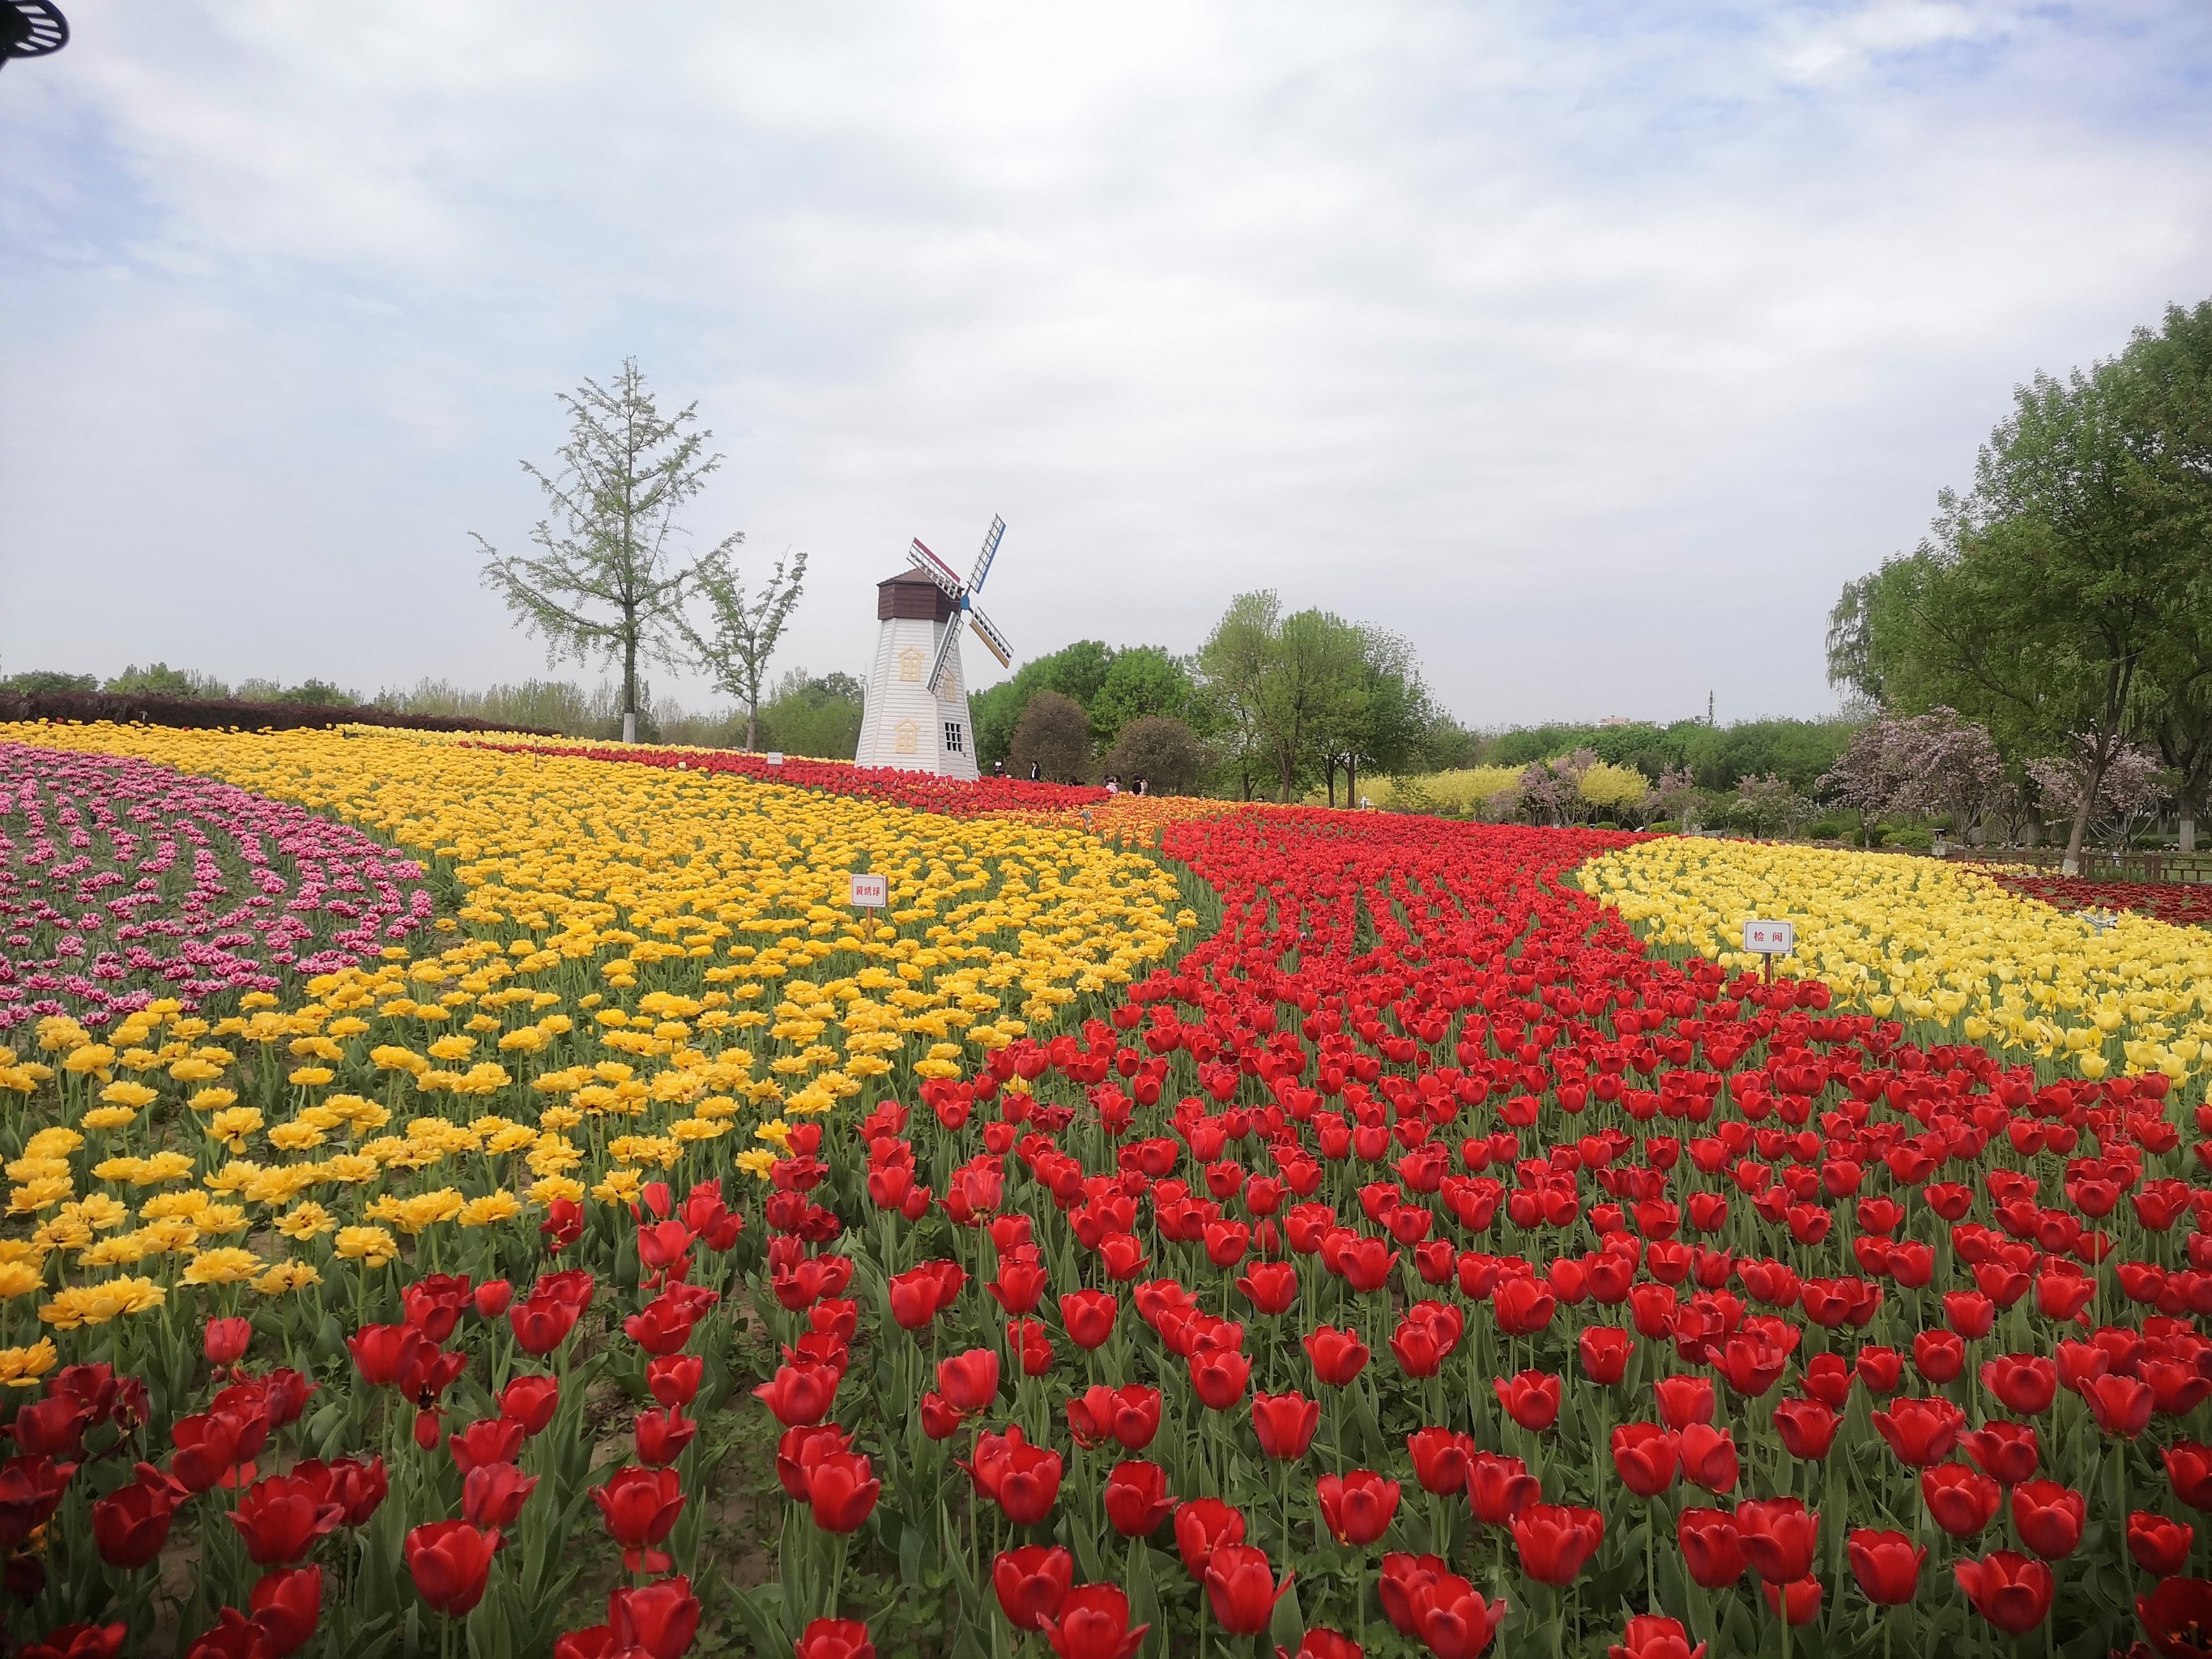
(912, 595)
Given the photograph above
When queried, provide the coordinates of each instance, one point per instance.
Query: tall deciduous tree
(605, 583)
(738, 652)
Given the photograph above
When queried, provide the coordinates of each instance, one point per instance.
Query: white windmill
(917, 710)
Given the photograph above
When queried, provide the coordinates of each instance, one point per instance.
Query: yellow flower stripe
(639, 959)
(1946, 949)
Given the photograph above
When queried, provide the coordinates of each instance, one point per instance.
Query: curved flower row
(121, 882)
(1058, 803)
(1948, 950)
(2184, 905)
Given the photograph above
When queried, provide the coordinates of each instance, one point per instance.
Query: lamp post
(31, 29)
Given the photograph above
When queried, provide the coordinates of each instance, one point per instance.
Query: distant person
(998, 769)
(1034, 771)
(1113, 783)
(1139, 786)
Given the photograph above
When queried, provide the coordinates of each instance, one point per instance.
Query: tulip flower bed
(1417, 1264)
(120, 882)
(2184, 905)
(1948, 950)
(922, 792)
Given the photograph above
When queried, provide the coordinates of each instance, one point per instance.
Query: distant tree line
(2062, 604)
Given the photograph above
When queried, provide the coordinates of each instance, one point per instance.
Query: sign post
(871, 892)
(1770, 939)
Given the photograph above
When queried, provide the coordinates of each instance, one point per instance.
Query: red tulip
(2176, 1616)
(1684, 1400)
(492, 1297)
(1523, 1306)
(1241, 1588)
(2011, 1591)
(1217, 1377)
(1089, 1317)
(640, 1507)
(1887, 1565)
(658, 1620)
(2025, 1384)
(451, 1563)
(280, 1517)
(78, 1642)
(1606, 1352)
(224, 1340)
(130, 1524)
(1532, 1399)
(2189, 1468)
(1452, 1618)
(1136, 1498)
(2007, 1452)
(2049, 1517)
(842, 1490)
(1650, 1636)
(1441, 1459)
(1963, 1501)
(836, 1638)
(1357, 1508)
(1807, 1428)
(800, 1394)
(1093, 1623)
(2121, 1405)
(1202, 1526)
(1779, 1534)
(1284, 1424)
(487, 1440)
(1921, 1431)
(1712, 1548)
(1799, 1602)
(493, 1494)
(1556, 1540)
(1646, 1457)
(1499, 1488)
(1709, 1458)
(531, 1401)
(287, 1605)
(1270, 1287)
(2160, 1546)
(385, 1354)
(1032, 1582)
(1337, 1356)
(969, 1381)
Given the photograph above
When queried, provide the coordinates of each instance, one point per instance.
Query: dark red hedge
(220, 712)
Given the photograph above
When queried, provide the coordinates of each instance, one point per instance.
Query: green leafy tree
(814, 715)
(1140, 680)
(1077, 671)
(605, 583)
(33, 681)
(158, 679)
(1054, 736)
(1162, 750)
(745, 632)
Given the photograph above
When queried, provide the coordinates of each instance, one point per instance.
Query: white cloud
(1593, 358)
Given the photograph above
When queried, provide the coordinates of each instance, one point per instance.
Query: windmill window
(952, 737)
(907, 737)
(910, 661)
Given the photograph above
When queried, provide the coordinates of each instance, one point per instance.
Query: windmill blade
(935, 569)
(990, 552)
(945, 648)
(993, 639)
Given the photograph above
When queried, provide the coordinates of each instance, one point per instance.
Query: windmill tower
(917, 712)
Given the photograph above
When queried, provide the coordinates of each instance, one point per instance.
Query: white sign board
(774, 757)
(871, 892)
(1770, 938)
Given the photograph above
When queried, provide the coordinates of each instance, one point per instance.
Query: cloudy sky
(1592, 346)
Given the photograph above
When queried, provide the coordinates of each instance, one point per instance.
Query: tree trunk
(752, 728)
(1351, 782)
(1331, 764)
(2071, 865)
(2188, 837)
(629, 685)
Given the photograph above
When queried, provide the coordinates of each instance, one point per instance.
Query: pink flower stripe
(121, 882)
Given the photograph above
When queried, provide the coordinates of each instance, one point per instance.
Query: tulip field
(486, 1196)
